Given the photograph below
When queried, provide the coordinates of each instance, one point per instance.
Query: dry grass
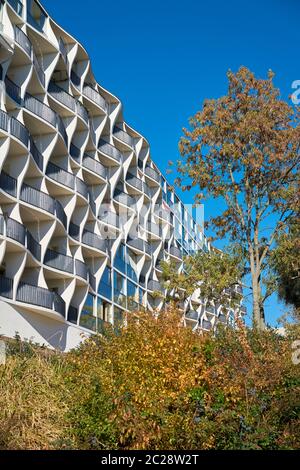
(32, 407)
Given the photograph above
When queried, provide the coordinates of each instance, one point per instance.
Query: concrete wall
(38, 328)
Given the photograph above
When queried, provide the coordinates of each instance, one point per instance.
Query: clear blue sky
(162, 58)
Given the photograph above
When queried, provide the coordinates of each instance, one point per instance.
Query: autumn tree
(286, 264)
(243, 150)
(212, 273)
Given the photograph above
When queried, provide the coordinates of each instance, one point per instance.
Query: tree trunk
(258, 307)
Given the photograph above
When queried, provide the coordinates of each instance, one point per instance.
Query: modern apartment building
(85, 214)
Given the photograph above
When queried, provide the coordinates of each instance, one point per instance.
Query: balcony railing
(19, 131)
(61, 129)
(74, 231)
(4, 119)
(148, 248)
(8, 184)
(110, 150)
(95, 166)
(60, 175)
(154, 285)
(82, 112)
(82, 188)
(33, 246)
(63, 50)
(38, 68)
(17, 6)
(23, 40)
(176, 252)
(110, 218)
(94, 96)
(15, 231)
(59, 261)
(122, 135)
(210, 309)
(60, 213)
(36, 154)
(6, 287)
(92, 281)
(94, 240)
(192, 315)
(136, 243)
(75, 152)
(37, 198)
(62, 96)
(152, 174)
(81, 269)
(124, 199)
(135, 182)
(13, 90)
(40, 109)
(206, 325)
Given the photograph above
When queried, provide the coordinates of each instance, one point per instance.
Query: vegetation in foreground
(155, 385)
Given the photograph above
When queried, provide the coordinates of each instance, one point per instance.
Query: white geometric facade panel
(85, 215)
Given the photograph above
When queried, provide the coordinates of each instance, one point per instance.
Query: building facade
(85, 214)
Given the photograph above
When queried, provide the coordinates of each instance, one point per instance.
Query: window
(87, 319)
(105, 287)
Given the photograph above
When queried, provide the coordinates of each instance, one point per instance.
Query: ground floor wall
(38, 328)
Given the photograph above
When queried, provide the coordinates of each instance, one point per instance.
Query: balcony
(176, 252)
(206, 325)
(192, 315)
(8, 184)
(94, 96)
(154, 286)
(17, 5)
(19, 131)
(6, 287)
(75, 152)
(37, 198)
(152, 174)
(124, 199)
(222, 318)
(60, 175)
(95, 241)
(137, 244)
(82, 112)
(123, 136)
(23, 41)
(210, 309)
(38, 68)
(63, 50)
(4, 120)
(154, 228)
(40, 109)
(75, 79)
(82, 188)
(94, 166)
(135, 182)
(92, 281)
(41, 297)
(15, 231)
(59, 261)
(74, 231)
(36, 154)
(13, 90)
(33, 246)
(110, 151)
(60, 213)
(62, 96)
(110, 218)
(81, 269)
